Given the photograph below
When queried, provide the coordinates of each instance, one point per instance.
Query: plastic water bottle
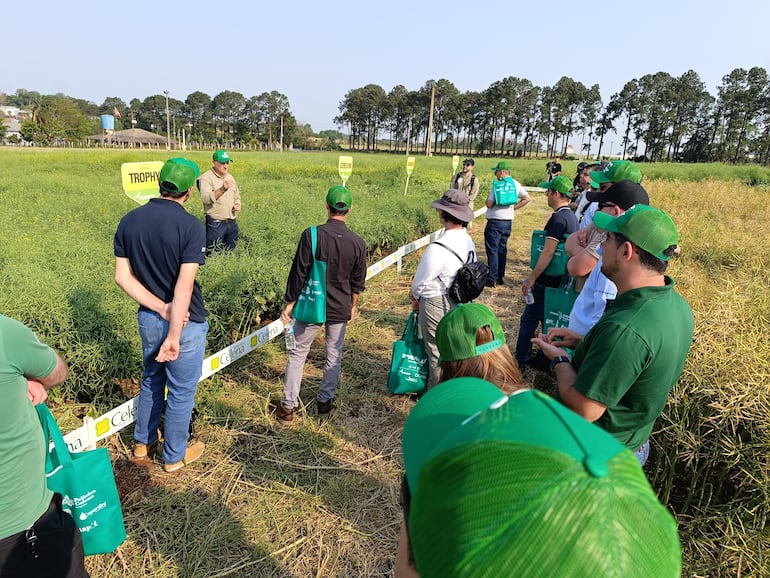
(288, 334)
(529, 299)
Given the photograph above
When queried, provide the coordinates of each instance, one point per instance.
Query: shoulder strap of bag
(451, 251)
(313, 240)
(471, 254)
(51, 432)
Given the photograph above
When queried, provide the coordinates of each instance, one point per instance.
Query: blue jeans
(496, 235)
(531, 317)
(179, 376)
(221, 235)
(643, 453)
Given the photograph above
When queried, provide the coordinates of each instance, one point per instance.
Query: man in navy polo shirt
(159, 248)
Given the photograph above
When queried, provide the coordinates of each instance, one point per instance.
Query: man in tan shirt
(221, 202)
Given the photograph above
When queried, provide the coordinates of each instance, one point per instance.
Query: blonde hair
(496, 366)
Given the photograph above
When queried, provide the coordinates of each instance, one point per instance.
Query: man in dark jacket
(344, 253)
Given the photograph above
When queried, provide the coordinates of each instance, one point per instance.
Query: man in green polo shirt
(37, 538)
(624, 368)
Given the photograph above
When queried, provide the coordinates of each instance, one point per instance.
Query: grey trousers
(304, 334)
(432, 309)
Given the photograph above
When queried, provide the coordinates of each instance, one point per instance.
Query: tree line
(657, 117)
(229, 118)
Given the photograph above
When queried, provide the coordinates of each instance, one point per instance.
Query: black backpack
(470, 280)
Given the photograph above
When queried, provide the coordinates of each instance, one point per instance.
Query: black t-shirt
(156, 239)
(562, 222)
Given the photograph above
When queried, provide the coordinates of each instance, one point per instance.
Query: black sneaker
(501, 282)
(490, 283)
(325, 408)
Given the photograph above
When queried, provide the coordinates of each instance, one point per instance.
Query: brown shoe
(284, 414)
(194, 451)
(325, 408)
(145, 451)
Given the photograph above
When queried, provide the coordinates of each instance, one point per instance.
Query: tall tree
(227, 114)
(590, 114)
(197, 111)
(624, 106)
(568, 95)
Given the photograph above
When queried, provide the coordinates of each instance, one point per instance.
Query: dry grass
(321, 499)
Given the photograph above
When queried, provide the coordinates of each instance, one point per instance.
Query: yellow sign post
(140, 180)
(345, 168)
(455, 163)
(409, 170)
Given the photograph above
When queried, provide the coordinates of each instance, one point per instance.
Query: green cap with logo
(525, 487)
(646, 227)
(618, 171)
(339, 198)
(456, 332)
(221, 156)
(502, 166)
(178, 175)
(560, 184)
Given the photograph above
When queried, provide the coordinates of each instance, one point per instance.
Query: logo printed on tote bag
(84, 515)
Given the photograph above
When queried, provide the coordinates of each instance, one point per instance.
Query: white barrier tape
(124, 415)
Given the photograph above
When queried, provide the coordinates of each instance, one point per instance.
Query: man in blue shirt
(158, 249)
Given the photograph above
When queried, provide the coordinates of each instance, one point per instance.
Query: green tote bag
(311, 303)
(558, 305)
(409, 367)
(87, 485)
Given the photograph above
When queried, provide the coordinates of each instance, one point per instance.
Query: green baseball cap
(456, 332)
(618, 171)
(502, 166)
(440, 410)
(339, 198)
(560, 184)
(646, 227)
(221, 156)
(178, 175)
(526, 487)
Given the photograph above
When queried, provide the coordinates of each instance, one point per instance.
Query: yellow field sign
(140, 180)
(345, 168)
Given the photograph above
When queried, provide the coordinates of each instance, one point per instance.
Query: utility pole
(429, 139)
(168, 124)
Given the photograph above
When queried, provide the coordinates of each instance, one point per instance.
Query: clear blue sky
(315, 51)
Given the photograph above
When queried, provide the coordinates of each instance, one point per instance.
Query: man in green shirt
(624, 368)
(36, 537)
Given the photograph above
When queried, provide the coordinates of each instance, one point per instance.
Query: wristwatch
(559, 359)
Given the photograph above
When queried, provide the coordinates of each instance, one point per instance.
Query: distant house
(12, 128)
(11, 111)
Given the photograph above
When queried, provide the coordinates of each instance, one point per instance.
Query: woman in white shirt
(437, 270)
